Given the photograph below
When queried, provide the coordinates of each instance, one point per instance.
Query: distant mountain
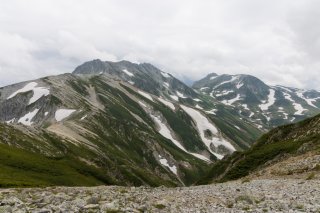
(114, 123)
(263, 105)
(290, 150)
(133, 124)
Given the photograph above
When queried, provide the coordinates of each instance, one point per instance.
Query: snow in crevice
(63, 113)
(245, 106)
(142, 104)
(197, 100)
(198, 106)
(38, 92)
(213, 77)
(298, 107)
(165, 132)
(83, 117)
(165, 84)
(224, 93)
(213, 111)
(127, 72)
(46, 113)
(164, 74)
(27, 118)
(204, 124)
(146, 95)
(308, 100)
(174, 97)
(239, 85)
(204, 88)
(165, 163)
(167, 103)
(271, 100)
(10, 121)
(180, 94)
(131, 82)
(228, 81)
(231, 101)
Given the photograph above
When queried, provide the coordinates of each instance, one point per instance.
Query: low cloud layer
(277, 40)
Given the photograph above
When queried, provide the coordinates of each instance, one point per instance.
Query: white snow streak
(27, 118)
(231, 101)
(164, 74)
(180, 94)
(308, 100)
(38, 92)
(165, 132)
(167, 103)
(146, 95)
(299, 109)
(127, 72)
(63, 113)
(271, 100)
(203, 124)
(164, 162)
(174, 97)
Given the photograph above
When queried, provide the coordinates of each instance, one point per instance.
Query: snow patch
(308, 100)
(164, 162)
(10, 121)
(271, 100)
(167, 103)
(63, 113)
(127, 72)
(142, 104)
(174, 97)
(83, 117)
(27, 118)
(165, 84)
(146, 95)
(46, 113)
(164, 74)
(231, 101)
(203, 124)
(131, 82)
(165, 132)
(197, 100)
(180, 94)
(213, 111)
(223, 93)
(38, 92)
(298, 107)
(198, 107)
(225, 82)
(204, 88)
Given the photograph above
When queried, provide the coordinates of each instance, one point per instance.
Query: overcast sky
(275, 40)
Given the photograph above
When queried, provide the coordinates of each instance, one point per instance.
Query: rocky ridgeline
(280, 195)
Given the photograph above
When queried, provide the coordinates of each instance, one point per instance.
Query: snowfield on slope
(271, 100)
(27, 118)
(63, 113)
(127, 72)
(146, 95)
(38, 92)
(165, 163)
(165, 132)
(298, 107)
(167, 103)
(203, 124)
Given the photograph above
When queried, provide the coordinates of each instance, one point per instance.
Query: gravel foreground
(253, 196)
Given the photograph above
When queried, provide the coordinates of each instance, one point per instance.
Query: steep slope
(103, 125)
(265, 106)
(287, 150)
(150, 79)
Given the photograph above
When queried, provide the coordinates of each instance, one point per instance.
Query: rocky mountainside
(287, 151)
(263, 105)
(132, 123)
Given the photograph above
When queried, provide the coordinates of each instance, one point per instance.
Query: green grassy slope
(280, 141)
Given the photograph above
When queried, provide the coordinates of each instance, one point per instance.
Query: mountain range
(133, 124)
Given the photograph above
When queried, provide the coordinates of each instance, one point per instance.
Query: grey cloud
(277, 41)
